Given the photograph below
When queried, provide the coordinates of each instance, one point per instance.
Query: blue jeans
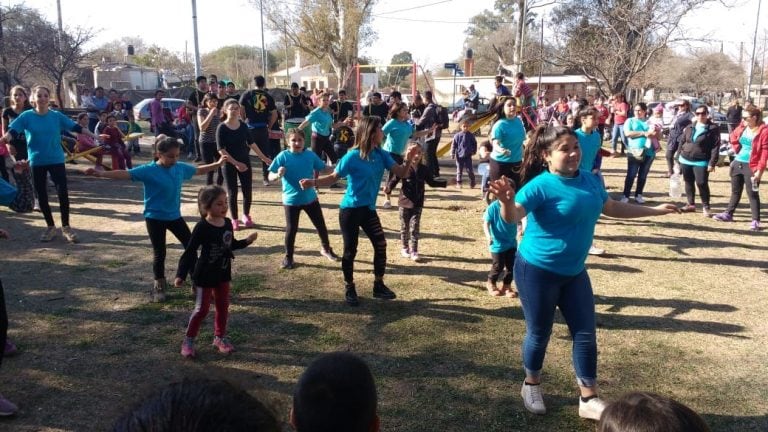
(541, 291)
(639, 170)
(618, 131)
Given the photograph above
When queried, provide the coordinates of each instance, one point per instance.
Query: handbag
(638, 155)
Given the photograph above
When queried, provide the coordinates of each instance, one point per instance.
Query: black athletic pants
(59, 177)
(156, 229)
(350, 221)
(231, 174)
(292, 214)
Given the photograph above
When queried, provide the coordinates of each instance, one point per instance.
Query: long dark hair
(541, 141)
(364, 133)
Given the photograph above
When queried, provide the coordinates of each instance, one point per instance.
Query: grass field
(680, 305)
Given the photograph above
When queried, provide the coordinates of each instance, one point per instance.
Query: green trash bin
(293, 123)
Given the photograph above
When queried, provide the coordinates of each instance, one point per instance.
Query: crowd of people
(546, 194)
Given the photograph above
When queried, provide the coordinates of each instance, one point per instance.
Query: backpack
(441, 115)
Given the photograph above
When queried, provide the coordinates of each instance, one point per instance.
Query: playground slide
(481, 121)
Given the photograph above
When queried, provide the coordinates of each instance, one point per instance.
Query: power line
(415, 7)
(435, 21)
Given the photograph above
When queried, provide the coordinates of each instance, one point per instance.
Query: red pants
(220, 295)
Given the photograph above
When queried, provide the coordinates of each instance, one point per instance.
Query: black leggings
(500, 261)
(156, 229)
(350, 221)
(322, 144)
(59, 177)
(430, 156)
(3, 323)
(700, 176)
(741, 180)
(292, 214)
(392, 179)
(211, 155)
(231, 174)
(510, 170)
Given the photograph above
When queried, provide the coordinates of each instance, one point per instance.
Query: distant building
(125, 76)
(309, 76)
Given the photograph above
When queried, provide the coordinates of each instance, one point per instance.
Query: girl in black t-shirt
(234, 140)
(209, 117)
(19, 104)
(212, 272)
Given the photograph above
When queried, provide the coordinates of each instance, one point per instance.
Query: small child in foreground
(212, 273)
(641, 412)
(411, 203)
(502, 244)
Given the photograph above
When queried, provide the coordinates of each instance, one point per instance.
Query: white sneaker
(415, 257)
(534, 399)
(596, 250)
(591, 409)
(405, 253)
(639, 199)
(624, 199)
(387, 205)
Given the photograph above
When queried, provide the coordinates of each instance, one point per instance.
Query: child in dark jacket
(411, 202)
(212, 272)
(463, 147)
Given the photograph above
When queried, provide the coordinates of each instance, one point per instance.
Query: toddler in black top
(463, 147)
(213, 271)
(411, 202)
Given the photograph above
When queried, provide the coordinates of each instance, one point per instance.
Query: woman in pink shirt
(620, 110)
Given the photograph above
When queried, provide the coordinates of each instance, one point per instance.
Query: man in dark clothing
(733, 116)
(194, 101)
(296, 103)
(427, 119)
(377, 107)
(260, 114)
(341, 108)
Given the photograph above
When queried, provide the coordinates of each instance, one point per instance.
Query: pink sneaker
(188, 347)
(236, 225)
(246, 220)
(223, 344)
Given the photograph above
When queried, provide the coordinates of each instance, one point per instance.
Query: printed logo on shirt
(260, 102)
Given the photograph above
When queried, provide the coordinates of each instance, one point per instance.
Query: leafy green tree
(394, 75)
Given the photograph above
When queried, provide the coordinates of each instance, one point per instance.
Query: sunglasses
(701, 113)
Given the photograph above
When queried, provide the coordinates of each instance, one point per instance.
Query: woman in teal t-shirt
(640, 152)
(43, 129)
(562, 205)
(363, 166)
(321, 122)
(397, 131)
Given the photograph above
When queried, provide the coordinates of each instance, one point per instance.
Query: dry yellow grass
(680, 304)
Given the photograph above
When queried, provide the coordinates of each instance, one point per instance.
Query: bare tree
(16, 51)
(58, 60)
(332, 29)
(612, 41)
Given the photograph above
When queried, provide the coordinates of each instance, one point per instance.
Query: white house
(125, 76)
(309, 76)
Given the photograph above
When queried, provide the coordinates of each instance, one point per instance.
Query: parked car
(141, 109)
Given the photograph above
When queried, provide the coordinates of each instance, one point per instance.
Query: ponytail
(541, 141)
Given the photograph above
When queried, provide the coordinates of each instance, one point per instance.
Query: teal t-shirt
(397, 133)
(562, 213)
(635, 124)
(298, 166)
(43, 133)
(698, 129)
(162, 188)
(321, 121)
(363, 177)
(511, 134)
(590, 145)
(502, 233)
(745, 140)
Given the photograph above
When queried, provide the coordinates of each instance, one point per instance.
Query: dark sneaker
(350, 295)
(7, 408)
(328, 253)
(380, 291)
(287, 264)
(10, 349)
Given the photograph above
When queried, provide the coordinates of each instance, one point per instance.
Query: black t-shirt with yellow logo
(258, 106)
(344, 136)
